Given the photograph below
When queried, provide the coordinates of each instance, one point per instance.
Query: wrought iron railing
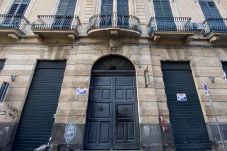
(16, 22)
(214, 25)
(178, 24)
(114, 20)
(56, 22)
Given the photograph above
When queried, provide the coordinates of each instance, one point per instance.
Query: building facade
(113, 75)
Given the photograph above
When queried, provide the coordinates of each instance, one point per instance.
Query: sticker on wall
(70, 132)
(181, 97)
(81, 91)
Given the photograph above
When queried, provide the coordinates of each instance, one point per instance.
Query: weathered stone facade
(22, 55)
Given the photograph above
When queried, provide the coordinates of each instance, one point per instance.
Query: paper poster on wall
(181, 97)
(81, 91)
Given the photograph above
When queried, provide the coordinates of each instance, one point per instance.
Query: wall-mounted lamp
(212, 78)
(147, 77)
(13, 77)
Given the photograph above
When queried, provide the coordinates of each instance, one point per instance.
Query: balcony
(12, 26)
(56, 27)
(171, 28)
(109, 25)
(215, 29)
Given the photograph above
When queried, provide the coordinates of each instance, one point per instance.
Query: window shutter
(166, 8)
(13, 9)
(18, 7)
(62, 7)
(107, 7)
(122, 7)
(209, 9)
(22, 9)
(71, 7)
(66, 7)
(162, 8)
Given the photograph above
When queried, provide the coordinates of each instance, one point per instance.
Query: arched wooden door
(112, 115)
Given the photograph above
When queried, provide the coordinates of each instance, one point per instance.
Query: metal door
(112, 121)
(34, 128)
(186, 117)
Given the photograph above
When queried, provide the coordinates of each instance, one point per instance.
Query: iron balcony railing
(56, 22)
(15, 22)
(165, 24)
(114, 20)
(218, 25)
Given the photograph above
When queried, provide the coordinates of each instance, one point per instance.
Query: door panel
(112, 114)
(98, 133)
(186, 117)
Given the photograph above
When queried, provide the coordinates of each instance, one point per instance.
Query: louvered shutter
(122, 13)
(65, 13)
(106, 13)
(122, 7)
(211, 12)
(162, 8)
(164, 15)
(13, 9)
(70, 7)
(22, 9)
(107, 7)
(66, 7)
(209, 9)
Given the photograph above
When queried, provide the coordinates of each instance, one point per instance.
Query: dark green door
(112, 113)
(36, 121)
(186, 117)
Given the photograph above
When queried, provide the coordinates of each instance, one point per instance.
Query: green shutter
(162, 8)
(209, 9)
(122, 7)
(66, 7)
(18, 7)
(107, 7)
(164, 15)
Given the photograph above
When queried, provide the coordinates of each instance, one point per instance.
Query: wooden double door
(112, 116)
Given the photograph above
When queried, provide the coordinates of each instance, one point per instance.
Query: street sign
(206, 89)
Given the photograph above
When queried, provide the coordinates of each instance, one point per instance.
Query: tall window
(209, 9)
(212, 15)
(65, 14)
(162, 8)
(66, 7)
(18, 7)
(15, 13)
(164, 15)
(122, 15)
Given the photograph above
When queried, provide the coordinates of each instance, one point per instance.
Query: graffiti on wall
(13, 111)
(4, 130)
(70, 132)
